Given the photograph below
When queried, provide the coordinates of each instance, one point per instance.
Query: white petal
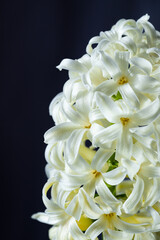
(131, 166)
(95, 128)
(124, 144)
(72, 114)
(128, 227)
(123, 186)
(88, 205)
(53, 158)
(157, 135)
(146, 84)
(108, 107)
(73, 144)
(74, 209)
(150, 32)
(59, 132)
(107, 135)
(62, 195)
(128, 43)
(55, 106)
(73, 88)
(80, 164)
(100, 158)
(115, 176)
(94, 40)
(90, 187)
(96, 228)
(107, 196)
(129, 95)
(109, 87)
(75, 230)
(148, 114)
(121, 59)
(71, 65)
(131, 204)
(145, 236)
(155, 215)
(109, 64)
(153, 193)
(143, 131)
(51, 218)
(150, 171)
(73, 181)
(142, 63)
(94, 115)
(117, 235)
(83, 104)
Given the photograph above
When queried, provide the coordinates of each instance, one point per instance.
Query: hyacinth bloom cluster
(103, 154)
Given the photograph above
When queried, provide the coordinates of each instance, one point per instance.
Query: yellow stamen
(109, 219)
(95, 173)
(124, 121)
(123, 80)
(88, 126)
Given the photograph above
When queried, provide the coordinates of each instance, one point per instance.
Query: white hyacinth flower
(103, 154)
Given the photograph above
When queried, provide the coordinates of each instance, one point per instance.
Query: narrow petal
(123, 186)
(94, 115)
(107, 135)
(145, 236)
(109, 64)
(128, 43)
(142, 63)
(71, 182)
(108, 107)
(50, 218)
(109, 87)
(157, 135)
(117, 235)
(153, 193)
(73, 144)
(155, 215)
(75, 230)
(131, 204)
(148, 114)
(74, 208)
(149, 171)
(131, 166)
(96, 228)
(72, 114)
(90, 187)
(146, 84)
(71, 65)
(143, 131)
(129, 95)
(121, 59)
(59, 132)
(88, 205)
(83, 104)
(115, 176)
(80, 164)
(128, 227)
(124, 144)
(107, 196)
(101, 158)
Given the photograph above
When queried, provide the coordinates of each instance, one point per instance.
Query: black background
(35, 37)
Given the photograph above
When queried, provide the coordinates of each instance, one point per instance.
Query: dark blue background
(35, 37)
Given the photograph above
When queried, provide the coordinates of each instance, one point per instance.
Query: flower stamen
(88, 126)
(124, 121)
(96, 173)
(123, 80)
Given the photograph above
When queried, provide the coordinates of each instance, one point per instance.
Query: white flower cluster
(103, 154)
